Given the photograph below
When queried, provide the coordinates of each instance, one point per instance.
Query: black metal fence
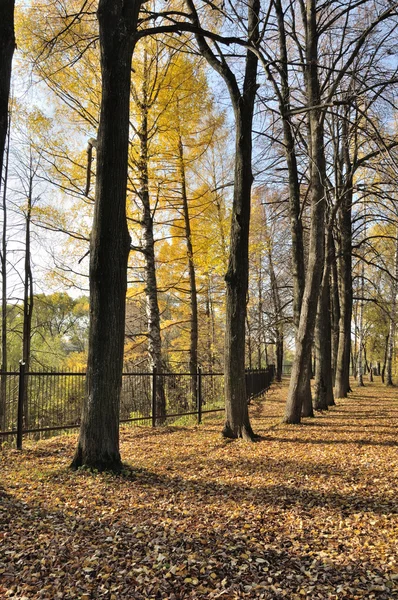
(40, 403)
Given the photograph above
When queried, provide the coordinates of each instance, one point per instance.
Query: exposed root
(244, 432)
(96, 465)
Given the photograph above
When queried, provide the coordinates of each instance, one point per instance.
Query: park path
(310, 511)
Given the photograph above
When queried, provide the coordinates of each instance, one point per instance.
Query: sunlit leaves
(306, 512)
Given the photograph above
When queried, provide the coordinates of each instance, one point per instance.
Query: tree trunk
(237, 423)
(3, 378)
(249, 343)
(278, 316)
(370, 374)
(360, 382)
(259, 315)
(342, 379)
(301, 365)
(7, 46)
(390, 352)
(210, 341)
(393, 318)
(335, 309)
(193, 347)
(296, 227)
(383, 370)
(98, 446)
(151, 289)
(28, 297)
(323, 394)
(307, 409)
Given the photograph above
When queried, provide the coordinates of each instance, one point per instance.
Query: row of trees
(311, 87)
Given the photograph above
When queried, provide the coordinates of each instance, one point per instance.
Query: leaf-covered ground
(309, 511)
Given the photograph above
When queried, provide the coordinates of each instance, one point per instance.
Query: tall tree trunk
(278, 316)
(342, 379)
(151, 288)
(152, 307)
(3, 378)
(98, 445)
(370, 373)
(259, 315)
(304, 338)
(210, 342)
(28, 296)
(249, 342)
(193, 296)
(334, 310)
(393, 318)
(279, 354)
(323, 389)
(383, 370)
(7, 46)
(360, 382)
(237, 423)
(296, 227)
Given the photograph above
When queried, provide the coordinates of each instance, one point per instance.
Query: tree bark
(370, 372)
(301, 365)
(296, 227)
(193, 295)
(335, 310)
(360, 382)
(393, 318)
(211, 335)
(98, 446)
(323, 389)
(342, 379)
(7, 46)
(151, 288)
(3, 378)
(237, 423)
(383, 370)
(28, 296)
(278, 316)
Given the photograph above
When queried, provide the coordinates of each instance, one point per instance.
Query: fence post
(21, 390)
(154, 397)
(199, 394)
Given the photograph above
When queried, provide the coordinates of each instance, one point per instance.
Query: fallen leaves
(308, 512)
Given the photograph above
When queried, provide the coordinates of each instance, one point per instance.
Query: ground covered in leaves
(310, 511)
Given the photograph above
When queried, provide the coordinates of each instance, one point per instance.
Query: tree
(237, 423)
(145, 101)
(317, 193)
(28, 298)
(3, 262)
(98, 445)
(393, 318)
(7, 46)
(312, 73)
(323, 389)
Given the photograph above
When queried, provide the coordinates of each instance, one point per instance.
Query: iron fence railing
(40, 403)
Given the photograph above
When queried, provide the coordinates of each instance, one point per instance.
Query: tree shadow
(309, 441)
(171, 556)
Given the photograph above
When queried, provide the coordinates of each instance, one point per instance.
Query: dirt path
(310, 511)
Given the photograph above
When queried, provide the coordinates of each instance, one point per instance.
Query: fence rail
(40, 403)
